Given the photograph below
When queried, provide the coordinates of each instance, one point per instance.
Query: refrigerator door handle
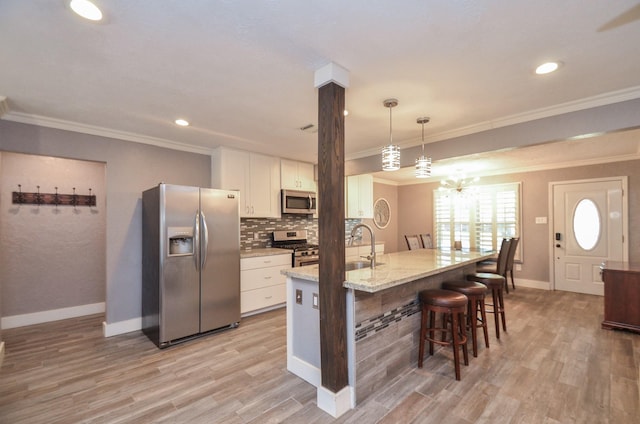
(196, 237)
(205, 240)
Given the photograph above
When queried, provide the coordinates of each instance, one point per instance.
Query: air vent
(309, 128)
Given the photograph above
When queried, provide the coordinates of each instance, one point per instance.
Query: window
(479, 218)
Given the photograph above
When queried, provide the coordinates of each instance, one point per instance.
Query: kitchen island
(383, 318)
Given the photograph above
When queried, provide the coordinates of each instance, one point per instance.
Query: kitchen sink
(350, 266)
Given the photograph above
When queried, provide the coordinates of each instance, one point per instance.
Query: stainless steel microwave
(301, 202)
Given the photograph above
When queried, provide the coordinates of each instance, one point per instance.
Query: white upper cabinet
(359, 196)
(256, 176)
(296, 175)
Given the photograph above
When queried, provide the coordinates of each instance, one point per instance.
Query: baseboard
(533, 284)
(23, 320)
(332, 403)
(1, 353)
(311, 374)
(121, 327)
(267, 309)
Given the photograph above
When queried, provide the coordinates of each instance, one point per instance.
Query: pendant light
(390, 153)
(423, 163)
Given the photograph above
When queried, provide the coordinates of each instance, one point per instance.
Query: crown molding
(560, 109)
(60, 124)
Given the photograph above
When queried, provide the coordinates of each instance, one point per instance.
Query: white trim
(331, 72)
(60, 124)
(301, 368)
(261, 310)
(51, 315)
(532, 284)
(332, 403)
(121, 327)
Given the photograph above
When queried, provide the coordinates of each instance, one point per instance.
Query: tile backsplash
(255, 233)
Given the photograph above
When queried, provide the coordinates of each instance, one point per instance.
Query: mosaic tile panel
(380, 322)
(255, 233)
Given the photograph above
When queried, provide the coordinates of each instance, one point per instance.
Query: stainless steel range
(304, 253)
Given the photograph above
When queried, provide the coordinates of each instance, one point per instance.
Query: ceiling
(242, 71)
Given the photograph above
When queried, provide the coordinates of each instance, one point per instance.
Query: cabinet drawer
(265, 261)
(251, 279)
(262, 298)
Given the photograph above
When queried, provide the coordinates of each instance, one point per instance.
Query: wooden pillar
(333, 332)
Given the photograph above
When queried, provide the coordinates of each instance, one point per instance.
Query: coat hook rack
(23, 198)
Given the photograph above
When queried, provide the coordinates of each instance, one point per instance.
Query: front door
(589, 227)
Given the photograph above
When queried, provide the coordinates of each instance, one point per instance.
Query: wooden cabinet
(621, 295)
(262, 287)
(296, 175)
(256, 176)
(359, 196)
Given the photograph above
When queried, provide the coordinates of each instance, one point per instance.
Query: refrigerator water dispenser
(180, 241)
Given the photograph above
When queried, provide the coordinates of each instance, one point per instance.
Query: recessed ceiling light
(86, 9)
(182, 122)
(346, 112)
(548, 67)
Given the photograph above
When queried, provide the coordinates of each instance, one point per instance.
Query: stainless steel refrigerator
(190, 262)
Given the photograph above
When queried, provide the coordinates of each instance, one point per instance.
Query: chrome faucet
(372, 255)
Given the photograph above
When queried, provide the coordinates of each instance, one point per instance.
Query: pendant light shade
(423, 163)
(423, 167)
(390, 153)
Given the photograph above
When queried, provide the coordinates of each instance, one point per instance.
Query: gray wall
(416, 205)
(131, 168)
(51, 257)
(389, 234)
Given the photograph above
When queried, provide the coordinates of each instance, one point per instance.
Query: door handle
(557, 245)
(205, 240)
(196, 237)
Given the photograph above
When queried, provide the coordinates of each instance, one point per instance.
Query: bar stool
(495, 283)
(475, 292)
(452, 306)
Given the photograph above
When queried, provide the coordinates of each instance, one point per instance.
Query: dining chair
(501, 266)
(427, 243)
(510, 260)
(413, 242)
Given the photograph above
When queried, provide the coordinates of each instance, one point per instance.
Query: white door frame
(624, 180)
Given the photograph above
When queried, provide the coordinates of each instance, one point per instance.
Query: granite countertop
(267, 251)
(398, 268)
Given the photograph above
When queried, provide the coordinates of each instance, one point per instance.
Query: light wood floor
(555, 365)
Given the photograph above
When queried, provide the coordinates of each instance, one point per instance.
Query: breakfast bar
(383, 314)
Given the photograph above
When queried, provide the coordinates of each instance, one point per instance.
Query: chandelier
(457, 183)
(390, 153)
(423, 163)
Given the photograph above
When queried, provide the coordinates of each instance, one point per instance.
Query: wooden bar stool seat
(452, 305)
(475, 292)
(495, 283)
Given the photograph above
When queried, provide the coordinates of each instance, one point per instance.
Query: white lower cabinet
(261, 284)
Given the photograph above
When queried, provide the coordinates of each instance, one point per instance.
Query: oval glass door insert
(586, 224)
